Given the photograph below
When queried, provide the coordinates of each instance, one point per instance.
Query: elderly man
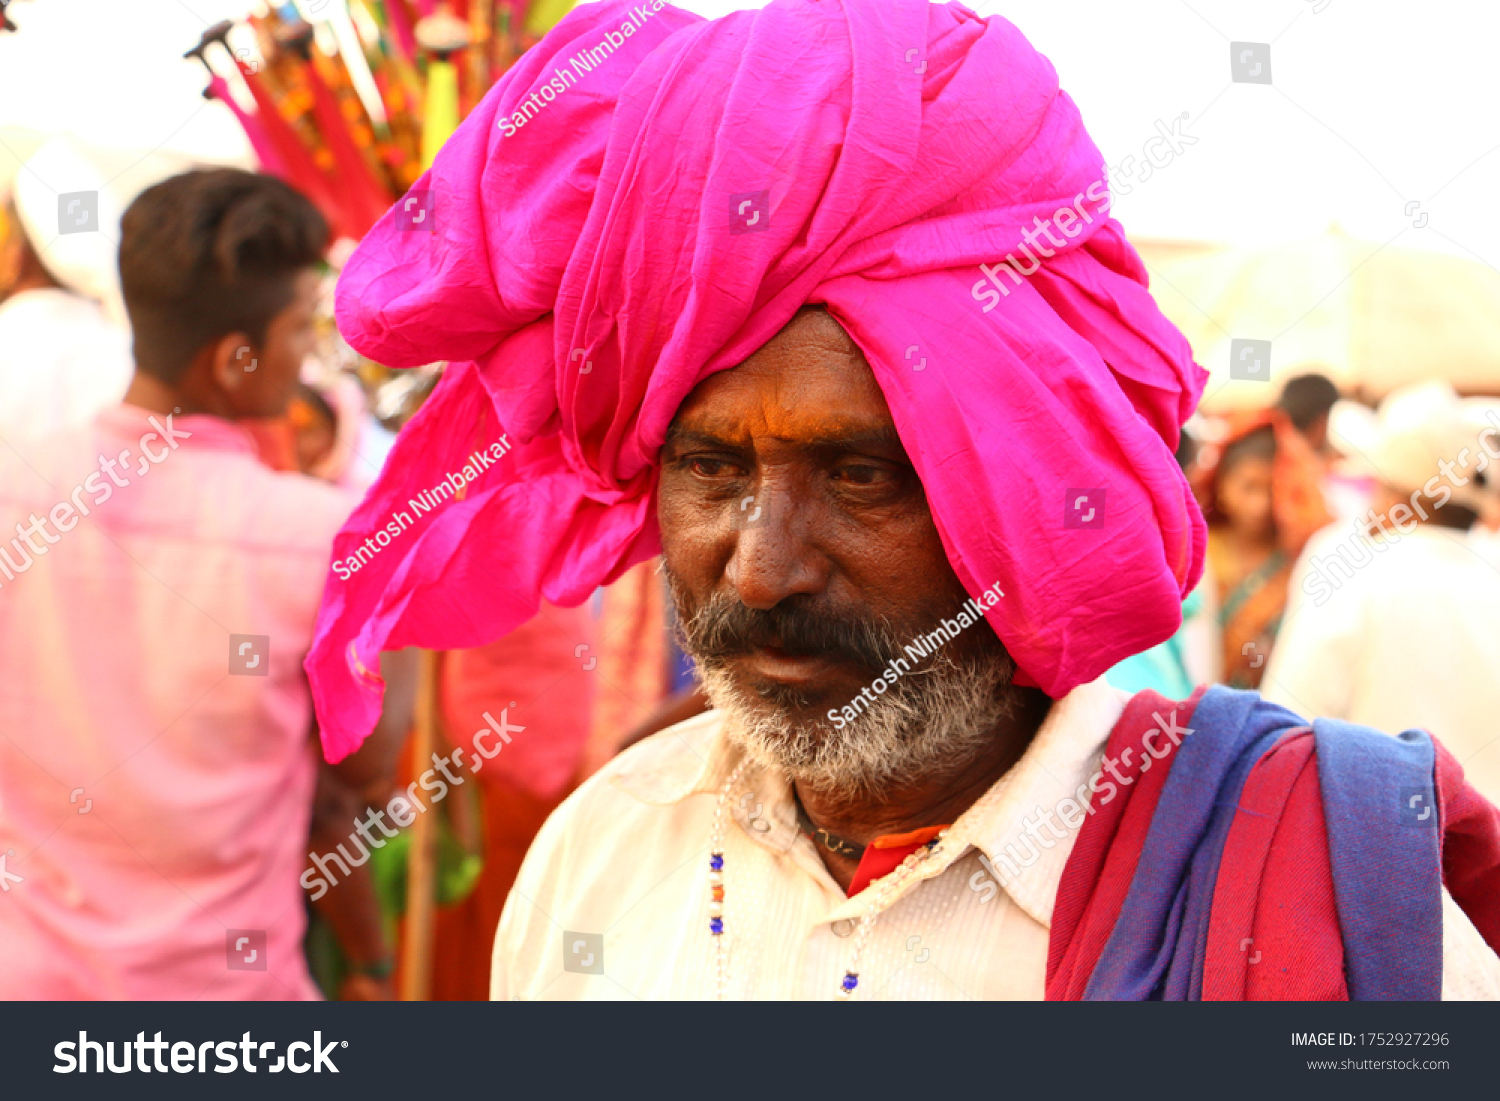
(824, 303)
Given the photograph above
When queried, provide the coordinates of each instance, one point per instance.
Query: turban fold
(646, 198)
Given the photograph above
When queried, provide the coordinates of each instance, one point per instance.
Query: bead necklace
(716, 880)
(888, 888)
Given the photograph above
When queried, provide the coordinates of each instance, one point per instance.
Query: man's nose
(774, 555)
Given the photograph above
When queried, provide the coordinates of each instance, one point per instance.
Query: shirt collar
(1059, 760)
(1017, 821)
(196, 430)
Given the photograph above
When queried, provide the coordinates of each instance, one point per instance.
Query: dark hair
(210, 252)
(1258, 444)
(1454, 515)
(1306, 398)
(1187, 449)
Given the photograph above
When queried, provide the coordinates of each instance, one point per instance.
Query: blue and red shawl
(1255, 857)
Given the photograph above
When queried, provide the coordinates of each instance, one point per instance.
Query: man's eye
(864, 474)
(706, 467)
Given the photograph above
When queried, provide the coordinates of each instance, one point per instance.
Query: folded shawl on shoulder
(1249, 856)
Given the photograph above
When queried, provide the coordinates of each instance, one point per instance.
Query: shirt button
(843, 927)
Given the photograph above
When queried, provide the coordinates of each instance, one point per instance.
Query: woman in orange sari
(1261, 499)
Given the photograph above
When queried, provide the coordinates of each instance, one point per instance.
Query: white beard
(930, 721)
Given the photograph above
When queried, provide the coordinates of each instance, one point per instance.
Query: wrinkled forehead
(807, 385)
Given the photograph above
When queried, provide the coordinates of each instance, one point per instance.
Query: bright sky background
(1375, 104)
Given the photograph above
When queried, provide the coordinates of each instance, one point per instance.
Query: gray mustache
(724, 628)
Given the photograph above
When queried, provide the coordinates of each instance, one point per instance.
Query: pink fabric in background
(585, 272)
(546, 674)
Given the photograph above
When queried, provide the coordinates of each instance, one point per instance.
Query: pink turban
(646, 198)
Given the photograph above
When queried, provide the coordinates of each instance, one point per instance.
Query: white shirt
(61, 363)
(1411, 639)
(1486, 543)
(612, 901)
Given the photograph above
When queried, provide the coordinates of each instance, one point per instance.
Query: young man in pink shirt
(157, 774)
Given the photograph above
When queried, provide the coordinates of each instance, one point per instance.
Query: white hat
(1420, 428)
(71, 216)
(1353, 428)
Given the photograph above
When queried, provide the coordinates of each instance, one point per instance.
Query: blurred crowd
(154, 617)
(1351, 569)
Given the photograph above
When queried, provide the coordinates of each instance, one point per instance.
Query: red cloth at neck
(885, 854)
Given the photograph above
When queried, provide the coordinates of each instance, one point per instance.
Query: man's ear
(233, 363)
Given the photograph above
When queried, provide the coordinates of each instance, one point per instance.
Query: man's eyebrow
(690, 437)
(882, 440)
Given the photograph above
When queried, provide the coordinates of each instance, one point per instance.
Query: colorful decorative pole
(365, 197)
(218, 88)
(441, 34)
(421, 860)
